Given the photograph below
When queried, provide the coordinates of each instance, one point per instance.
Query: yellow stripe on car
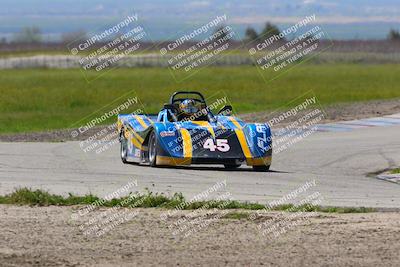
(136, 143)
(131, 131)
(243, 143)
(235, 122)
(163, 160)
(207, 125)
(128, 135)
(141, 121)
(187, 143)
(138, 137)
(119, 125)
(260, 161)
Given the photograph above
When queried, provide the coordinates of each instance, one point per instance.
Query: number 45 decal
(222, 145)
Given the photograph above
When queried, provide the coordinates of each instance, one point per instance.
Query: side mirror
(226, 111)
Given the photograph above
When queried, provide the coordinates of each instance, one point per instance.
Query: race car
(187, 132)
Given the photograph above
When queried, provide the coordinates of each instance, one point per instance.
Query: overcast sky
(344, 19)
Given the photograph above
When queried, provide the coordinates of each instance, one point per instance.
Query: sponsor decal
(167, 133)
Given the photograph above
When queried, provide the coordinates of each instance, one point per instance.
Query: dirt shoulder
(47, 236)
(339, 112)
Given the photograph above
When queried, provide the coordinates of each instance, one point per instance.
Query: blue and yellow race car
(186, 132)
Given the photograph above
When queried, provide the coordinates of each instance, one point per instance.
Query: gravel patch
(47, 236)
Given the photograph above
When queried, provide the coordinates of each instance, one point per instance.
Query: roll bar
(172, 99)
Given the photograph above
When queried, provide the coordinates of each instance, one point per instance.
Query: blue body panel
(247, 141)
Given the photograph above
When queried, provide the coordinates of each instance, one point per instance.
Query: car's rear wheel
(262, 168)
(153, 149)
(124, 148)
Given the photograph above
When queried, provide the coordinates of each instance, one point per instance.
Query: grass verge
(26, 196)
(395, 171)
(47, 99)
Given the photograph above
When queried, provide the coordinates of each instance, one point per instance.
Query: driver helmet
(188, 107)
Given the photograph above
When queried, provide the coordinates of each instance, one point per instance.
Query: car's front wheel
(124, 148)
(153, 149)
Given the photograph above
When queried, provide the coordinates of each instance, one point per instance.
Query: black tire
(153, 149)
(124, 148)
(230, 166)
(262, 168)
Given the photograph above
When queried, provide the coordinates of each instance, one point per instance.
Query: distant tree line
(33, 35)
(28, 35)
(268, 31)
(394, 35)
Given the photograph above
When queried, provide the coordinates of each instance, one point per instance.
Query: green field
(41, 99)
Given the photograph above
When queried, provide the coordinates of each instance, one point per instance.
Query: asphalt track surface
(339, 162)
